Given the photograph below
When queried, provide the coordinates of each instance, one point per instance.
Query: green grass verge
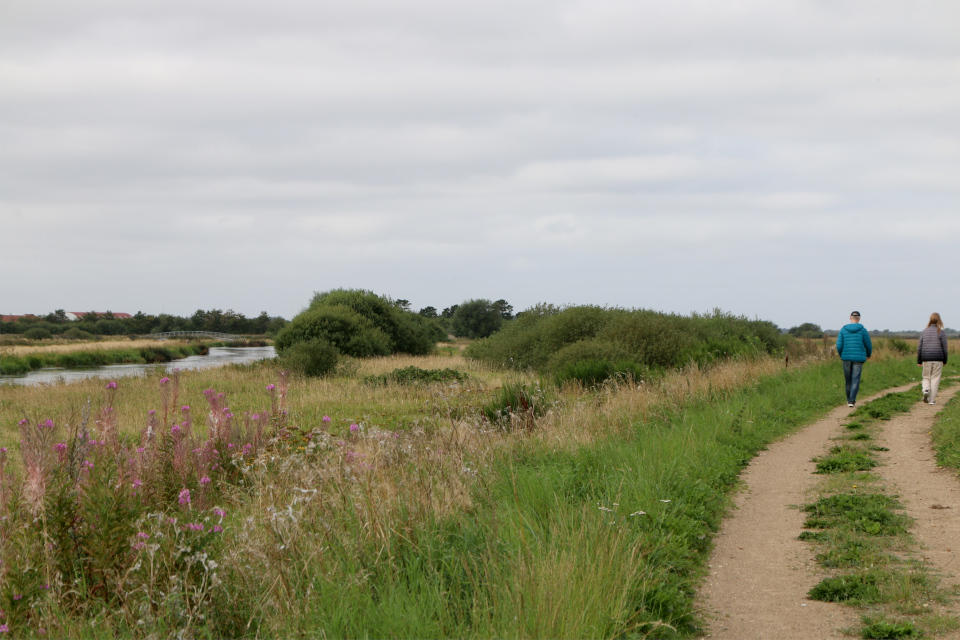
(946, 434)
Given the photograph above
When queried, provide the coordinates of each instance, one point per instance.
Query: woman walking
(932, 355)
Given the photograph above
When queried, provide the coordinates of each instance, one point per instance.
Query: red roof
(80, 314)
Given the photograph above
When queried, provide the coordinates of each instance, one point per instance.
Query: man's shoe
(934, 402)
(926, 395)
(849, 404)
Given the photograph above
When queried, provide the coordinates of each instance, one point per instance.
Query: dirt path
(931, 495)
(760, 572)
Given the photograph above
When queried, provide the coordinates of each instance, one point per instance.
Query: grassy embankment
(87, 357)
(17, 360)
(593, 520)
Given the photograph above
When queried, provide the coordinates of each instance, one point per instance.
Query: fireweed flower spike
(185, 497)
(326, 419)
(112, 384)
(164, 380)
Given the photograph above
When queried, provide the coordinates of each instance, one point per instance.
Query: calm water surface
(218, 357)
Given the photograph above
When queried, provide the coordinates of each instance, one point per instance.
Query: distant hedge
(551, 339)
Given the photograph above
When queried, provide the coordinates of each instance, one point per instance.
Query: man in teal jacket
(855, 348)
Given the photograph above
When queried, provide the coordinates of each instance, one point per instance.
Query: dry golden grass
(100, 345)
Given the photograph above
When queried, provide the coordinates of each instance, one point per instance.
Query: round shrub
(37, 333)
(476, 319)
(586, 350)
(74, 333)
(314, 358)
(348, 331)
(408, 332)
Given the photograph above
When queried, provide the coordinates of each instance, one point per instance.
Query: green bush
(476, 319)
(314, 358)
(75, 333)
(593, 372)
(546, 338)
(408, 332)
(37, 333)
(416, 375)
(341, 326)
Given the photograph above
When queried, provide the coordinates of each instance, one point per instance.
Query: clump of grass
(517, 406)
(859, 589)
(416, 375)
(860, 436)
(880, 629)
(844, 459)
(871, 513)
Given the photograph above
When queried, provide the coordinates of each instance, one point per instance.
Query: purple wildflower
(151, 412)
(271, 387)
(141, 534)
(4, 628)
(205, 480)
(164, 380)
(217, 511)
(185, 407)
(194, 526)
(60, 447)
(354, 428)
(185, 497)
(217, 528)
(112, 384)
(326, 419)
(175, 430)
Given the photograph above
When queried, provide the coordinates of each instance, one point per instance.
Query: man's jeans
(851, 374)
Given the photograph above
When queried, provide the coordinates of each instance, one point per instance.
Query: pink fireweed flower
(185, 407)
(137, 546)
(138, 483)
(152, 412)
(175, 430)
(326, 419)
(217, 511)
(4, 628)
(141, 534)
(164, 380)
(185, 497)
(176, 369)
(217, 528)
(112, 384)
(48, 424)
(354, 428)
(194, 526)
(205, 480)
(17, 596)
(271, 387)
(60, 447)
(255, 416)
(141, 449)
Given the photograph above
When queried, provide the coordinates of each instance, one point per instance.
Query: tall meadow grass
(349, 509)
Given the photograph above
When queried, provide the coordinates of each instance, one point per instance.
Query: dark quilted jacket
(932, 346)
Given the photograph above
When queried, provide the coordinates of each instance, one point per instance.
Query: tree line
(92, 324)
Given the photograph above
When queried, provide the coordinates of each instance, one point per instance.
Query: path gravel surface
(760, 573)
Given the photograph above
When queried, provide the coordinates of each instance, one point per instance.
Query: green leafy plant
(416, 375)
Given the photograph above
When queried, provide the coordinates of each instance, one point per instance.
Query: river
(217, 357)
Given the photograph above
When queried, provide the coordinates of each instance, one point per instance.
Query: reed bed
(105, 344)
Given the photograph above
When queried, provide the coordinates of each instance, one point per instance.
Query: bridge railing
(209, 335)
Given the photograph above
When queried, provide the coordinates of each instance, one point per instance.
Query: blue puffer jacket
(853, 343)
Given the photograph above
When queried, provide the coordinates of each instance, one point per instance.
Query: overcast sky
(791, 161)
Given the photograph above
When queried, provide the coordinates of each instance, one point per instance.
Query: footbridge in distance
(206, 335)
